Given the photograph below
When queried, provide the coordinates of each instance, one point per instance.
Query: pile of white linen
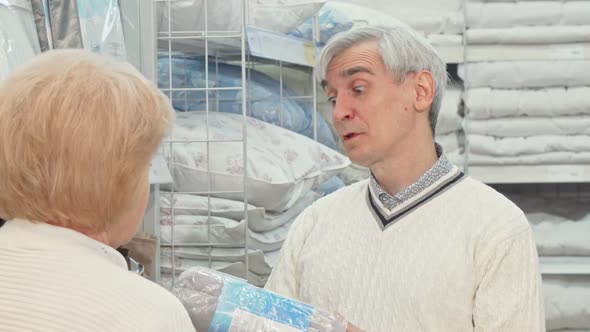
(449, 131)
(524, 111)
(561, 226)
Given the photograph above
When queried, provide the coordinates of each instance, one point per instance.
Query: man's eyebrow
(355, 70)
(349, 72)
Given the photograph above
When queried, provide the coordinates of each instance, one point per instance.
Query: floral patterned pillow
(206, 155)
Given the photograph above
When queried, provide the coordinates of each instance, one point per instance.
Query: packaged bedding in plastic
(264, 95)
(221, 303)
(18, 35)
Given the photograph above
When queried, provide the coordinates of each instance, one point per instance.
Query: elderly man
(419, 246)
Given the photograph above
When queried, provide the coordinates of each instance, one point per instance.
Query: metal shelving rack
(248, 49)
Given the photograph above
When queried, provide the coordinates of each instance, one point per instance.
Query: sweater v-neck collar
(389, 208)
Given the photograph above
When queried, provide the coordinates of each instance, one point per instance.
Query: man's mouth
(349, 136)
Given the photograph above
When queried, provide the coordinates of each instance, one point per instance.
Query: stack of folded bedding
(528, 108)
(449, 127)
(187, 219)
(442, 23)
(204, 220)
(529, 22)
(528, 126)
(567, 302)
(561, 226)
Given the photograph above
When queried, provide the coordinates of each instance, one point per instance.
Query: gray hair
(403, 52)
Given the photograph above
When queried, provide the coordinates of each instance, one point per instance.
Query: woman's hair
(77, 133)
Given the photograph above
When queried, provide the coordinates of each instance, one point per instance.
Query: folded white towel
(516, 146)
(526, 13)
(486, 103)
(567, 302)
(526, 74)
(551, 158)
(526, 126)
(449, 119)
(567, 238)
(529, 35)
(450, 142)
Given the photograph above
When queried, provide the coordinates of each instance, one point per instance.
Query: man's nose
(342, 110)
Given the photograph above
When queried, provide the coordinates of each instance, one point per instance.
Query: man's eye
(332, 100)
(359, 89)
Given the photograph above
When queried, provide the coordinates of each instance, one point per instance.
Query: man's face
(372, 112)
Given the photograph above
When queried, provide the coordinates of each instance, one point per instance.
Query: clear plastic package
(222, 303)
(18, 35)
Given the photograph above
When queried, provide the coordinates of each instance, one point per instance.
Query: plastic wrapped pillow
(101, 27)
(18, 36)
(335, 17)
(264, 95)
(221, 303)
(331, 22)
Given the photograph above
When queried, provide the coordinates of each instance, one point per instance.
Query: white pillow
(195, 205)
(220, 231)
(282, 165)
(258, 220)
(225, 15)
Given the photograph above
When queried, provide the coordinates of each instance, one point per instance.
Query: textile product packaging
(219, 302)
(264, 94)
(101, 27)
(18, 35)
(276, 15)
(282, 166)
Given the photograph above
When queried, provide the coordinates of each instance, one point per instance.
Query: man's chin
(358, 159)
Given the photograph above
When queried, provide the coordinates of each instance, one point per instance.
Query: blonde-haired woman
(77, 133)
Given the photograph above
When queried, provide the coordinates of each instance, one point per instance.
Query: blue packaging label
(238, 295)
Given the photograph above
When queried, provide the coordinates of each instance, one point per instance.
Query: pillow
(276, 15)
(219, 231)
(258, 268)
(263, 92)
(258, 219)
(336, 17)
(195, 205)
(281, 165)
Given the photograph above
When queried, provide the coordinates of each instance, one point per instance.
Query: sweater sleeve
(509, 294)
(284, 279)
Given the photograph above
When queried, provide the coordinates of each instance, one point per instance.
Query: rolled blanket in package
(223, 303)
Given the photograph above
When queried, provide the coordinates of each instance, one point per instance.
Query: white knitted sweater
(56, 279)
(458, 256)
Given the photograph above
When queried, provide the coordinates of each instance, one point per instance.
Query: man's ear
(425, 89)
